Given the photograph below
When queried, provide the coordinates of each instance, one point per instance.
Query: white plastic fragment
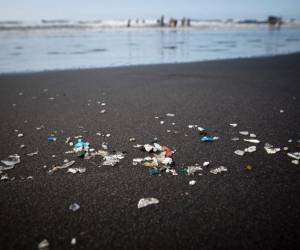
(11, 160)
(170, 115)
(206, 163)
(192, 182)
(73, 241)
(113, 159)
(244, 132)
(76, 170)
(295, 155)
(44, 244)
(74, 207)
(235, 139)
(200, 129)
(144, 202)
(20, 135)
(252, 140)
(285, 148)
(33, 153)
(104, 145)
(253, 135)
(66, 165)
(218, 170)
(102, 111)
(239, 152)
(270, 149)
(281, 111)
(233, 124)
(161, 122)
(250, 149)
(296, 162)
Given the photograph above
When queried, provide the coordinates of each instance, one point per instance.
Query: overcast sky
(149, 9)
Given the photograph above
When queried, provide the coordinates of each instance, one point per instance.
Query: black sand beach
(258, 208)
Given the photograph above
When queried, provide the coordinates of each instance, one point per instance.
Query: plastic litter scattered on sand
(270, 149)
(218, 170)
(81, 148)
(12, 160)
(76, 170)
(74, 207)
(113, 159)
(56, 168)
(191, 170)
(44, 244)
(144, 202)
(154, 172)
(252, 141)
(244, 132)
(192, 182)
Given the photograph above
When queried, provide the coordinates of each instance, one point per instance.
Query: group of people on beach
(185, 22)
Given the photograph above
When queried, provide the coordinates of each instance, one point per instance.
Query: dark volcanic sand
(238, 209)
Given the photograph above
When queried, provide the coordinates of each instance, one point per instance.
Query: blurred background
(49, 35)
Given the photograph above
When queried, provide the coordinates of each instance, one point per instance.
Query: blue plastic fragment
(51, 138)
(80, 145)
(207, 139)
(154, 172)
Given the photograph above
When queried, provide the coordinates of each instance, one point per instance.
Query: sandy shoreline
(237, 209)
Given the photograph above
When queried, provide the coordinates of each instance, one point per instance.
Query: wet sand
(237, 209)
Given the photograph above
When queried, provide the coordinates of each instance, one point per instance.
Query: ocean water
(49, 49)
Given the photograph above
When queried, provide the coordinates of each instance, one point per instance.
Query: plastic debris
(104, 145)
(244, 132)
(73, 241)
(295, 155)
(76, 170)
(191, 170)
(51, 138)
(218, 170)
(33, 153)
(170, 115)
(4, 177)
(281, 111)
(205, 164)
(113, 159)
(233, 124)
(132, 139)
(162, 122)
(250, 149)
(6, 168)
(20, 135)
(56, 168)
(154, 172)
(249, 167)
(102, 111)
(81, 148)
(74, 207)
(192, 182)
(12, 160)
(207, 139)
(235, 139)
(144, 202)
(270, 149)
(252, 140)
(252, 135)
(296, 162)
(239, 152)
(201, 129)
(44, 244)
